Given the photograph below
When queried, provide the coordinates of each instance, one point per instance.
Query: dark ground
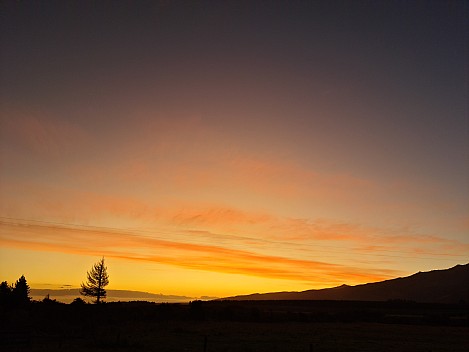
(236, 326)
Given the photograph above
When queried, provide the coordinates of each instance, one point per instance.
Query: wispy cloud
(299, 231)
(234, 227)
(202, 250)
(218, 258)
(178, 155)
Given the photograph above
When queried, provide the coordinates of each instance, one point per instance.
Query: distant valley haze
(68, 295)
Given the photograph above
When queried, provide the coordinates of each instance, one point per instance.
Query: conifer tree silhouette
(5, 293)
(20, 292)
(97, 279)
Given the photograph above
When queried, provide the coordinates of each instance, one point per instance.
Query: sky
(230, 147)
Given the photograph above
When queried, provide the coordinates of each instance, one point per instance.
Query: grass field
(245, 336)
(151, 328)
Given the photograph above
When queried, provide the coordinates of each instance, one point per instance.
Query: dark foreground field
(235, 327)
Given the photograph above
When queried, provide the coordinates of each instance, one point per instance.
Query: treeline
(18, 294)
(15, 294)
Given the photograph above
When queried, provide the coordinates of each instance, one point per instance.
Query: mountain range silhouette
(436, 286)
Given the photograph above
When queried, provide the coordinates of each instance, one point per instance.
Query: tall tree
(97, 279)
(20, 292)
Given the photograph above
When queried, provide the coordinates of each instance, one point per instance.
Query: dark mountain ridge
(437, 286)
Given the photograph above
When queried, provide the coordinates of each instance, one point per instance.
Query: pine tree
(20, 292)
(5, 293)
(97, 279)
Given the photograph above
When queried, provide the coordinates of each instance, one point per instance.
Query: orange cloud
(182, 157)
(235, 228)
(125, 245)
(210, 216)
(267, 227)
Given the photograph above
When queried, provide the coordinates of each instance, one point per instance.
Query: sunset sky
(229, 147)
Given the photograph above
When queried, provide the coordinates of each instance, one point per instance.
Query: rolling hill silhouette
(437, 286)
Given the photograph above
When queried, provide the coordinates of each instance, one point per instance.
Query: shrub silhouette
(78, 301)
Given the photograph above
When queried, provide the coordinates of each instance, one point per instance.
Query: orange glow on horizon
(234, 255)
